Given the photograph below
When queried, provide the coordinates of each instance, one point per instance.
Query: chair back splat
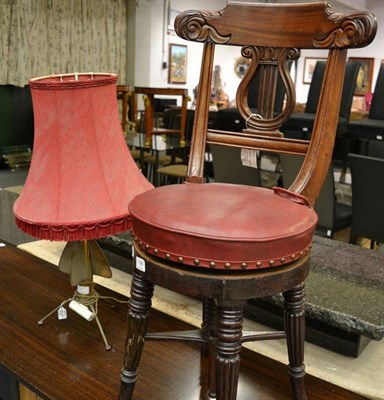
(226, 243)
(269, 47)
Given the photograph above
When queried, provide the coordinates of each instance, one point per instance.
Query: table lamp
(81, 177)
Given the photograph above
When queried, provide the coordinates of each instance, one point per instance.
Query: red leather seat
(275, 230)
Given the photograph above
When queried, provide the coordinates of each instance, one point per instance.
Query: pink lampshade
(82, 175)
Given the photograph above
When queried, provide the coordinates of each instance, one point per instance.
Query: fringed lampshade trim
(86, 231)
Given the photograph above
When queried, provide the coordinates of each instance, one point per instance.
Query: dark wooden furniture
(367, 198)
(16, 116)
(227, 243)
(371, 129)
(149, 104)
(300, 124)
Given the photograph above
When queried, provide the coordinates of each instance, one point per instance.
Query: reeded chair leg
(229, 324)
(207, 356)
(294, 319)
(139, 306)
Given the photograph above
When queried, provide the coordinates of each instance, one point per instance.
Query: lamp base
(82, 259)
(84, 302)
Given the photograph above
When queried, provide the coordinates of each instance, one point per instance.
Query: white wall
(153, 39)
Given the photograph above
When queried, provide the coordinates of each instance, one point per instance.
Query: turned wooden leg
(208, 362)
(228, 333)
(138, 309)
(295, 328)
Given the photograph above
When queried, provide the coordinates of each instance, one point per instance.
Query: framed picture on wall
(309, 67)
(177, 63)
(364, 76)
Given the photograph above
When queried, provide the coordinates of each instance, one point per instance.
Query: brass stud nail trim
(227, 265)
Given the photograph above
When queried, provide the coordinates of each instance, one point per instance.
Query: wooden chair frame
(269, 35)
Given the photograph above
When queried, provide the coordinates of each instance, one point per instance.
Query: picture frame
(364, 76)
(177, 64)
(309, 67)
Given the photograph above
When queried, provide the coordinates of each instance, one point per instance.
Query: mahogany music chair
(227, 243)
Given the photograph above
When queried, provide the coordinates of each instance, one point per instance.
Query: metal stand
(81, 260)
(88, 300)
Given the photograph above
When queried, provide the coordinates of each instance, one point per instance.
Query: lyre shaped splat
(268, 64)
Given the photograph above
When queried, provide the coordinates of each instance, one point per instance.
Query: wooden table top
(161, 91)
(58, 360)
(66, 360)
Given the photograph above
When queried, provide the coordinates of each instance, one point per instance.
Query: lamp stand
(81, 259)
(85, 306)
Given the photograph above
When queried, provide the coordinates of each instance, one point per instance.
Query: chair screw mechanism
(225, 243)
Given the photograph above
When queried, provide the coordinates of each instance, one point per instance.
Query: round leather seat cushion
(219, 225)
